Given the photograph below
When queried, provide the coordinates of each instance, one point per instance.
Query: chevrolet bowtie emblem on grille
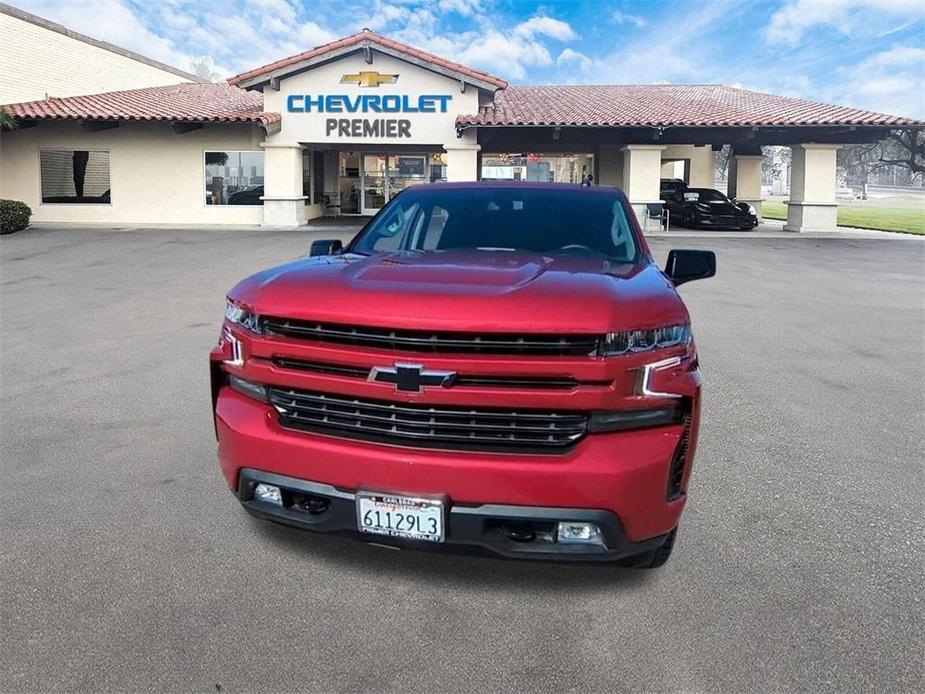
(411, 377)
(369, 78)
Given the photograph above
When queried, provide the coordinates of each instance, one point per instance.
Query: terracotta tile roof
(664, 105)
(203, 102)
(374, 38)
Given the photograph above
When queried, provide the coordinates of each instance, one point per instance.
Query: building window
(75, 176)
(313, 177)
(551, 168)
(234, 178)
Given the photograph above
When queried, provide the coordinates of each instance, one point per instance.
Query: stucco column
(812, 205)
(283, 201)
(703, 167)
(642, 168)
(462, 158)
(745, 179)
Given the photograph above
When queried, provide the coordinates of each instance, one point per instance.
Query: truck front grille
(428, 426)
(432, 342)
(468, 381)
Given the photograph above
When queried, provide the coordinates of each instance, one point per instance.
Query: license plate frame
(411, 511)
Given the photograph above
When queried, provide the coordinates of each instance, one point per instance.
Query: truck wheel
(657, 557)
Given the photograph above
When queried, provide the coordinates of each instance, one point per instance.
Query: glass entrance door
(406, 170)
(375, 183)
(369, 181)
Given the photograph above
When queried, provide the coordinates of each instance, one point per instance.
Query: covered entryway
(366, 181)
(377, 117)
(640, 134)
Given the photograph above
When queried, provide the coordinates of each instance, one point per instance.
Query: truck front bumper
(619, 481)
(526, 532)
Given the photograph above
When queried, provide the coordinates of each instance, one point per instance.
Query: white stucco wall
(156, 175)
(701, 163)
(642, 169)
(38, 62)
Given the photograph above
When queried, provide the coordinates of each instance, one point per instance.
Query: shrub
(14, 216)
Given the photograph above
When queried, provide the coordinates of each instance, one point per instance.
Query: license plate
(400, 516)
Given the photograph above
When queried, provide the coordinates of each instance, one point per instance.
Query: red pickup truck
(498, 367)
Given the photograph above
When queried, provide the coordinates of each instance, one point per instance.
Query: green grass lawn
(904, 220)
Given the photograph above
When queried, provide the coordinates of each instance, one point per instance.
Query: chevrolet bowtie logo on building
(411, 378)
(369, 78)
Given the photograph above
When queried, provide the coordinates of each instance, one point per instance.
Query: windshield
(544, 220)
(704, 195)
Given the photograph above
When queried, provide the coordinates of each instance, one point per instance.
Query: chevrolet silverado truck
(499, 367)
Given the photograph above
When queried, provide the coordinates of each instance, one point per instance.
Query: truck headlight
(634, 341)
(752, 211)
(237, 314)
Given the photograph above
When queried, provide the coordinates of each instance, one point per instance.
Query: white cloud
(238, 35)
(619, 17)
(670, 49)
(466, 8)
(115, 22)
(311, 34)
(569, 59)
(545, 26)
(849, 17)
(507, 51)
(892, 81)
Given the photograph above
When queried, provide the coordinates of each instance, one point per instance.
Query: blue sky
(865, 53)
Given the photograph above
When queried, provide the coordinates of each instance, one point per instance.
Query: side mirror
(326, 247)
(685, 266)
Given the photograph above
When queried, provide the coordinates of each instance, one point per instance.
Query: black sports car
(670, 186)
(248, 196)
(704, 207)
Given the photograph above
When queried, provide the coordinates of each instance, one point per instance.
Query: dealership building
(342, 128)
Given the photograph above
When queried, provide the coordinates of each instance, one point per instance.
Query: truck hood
(467, 290)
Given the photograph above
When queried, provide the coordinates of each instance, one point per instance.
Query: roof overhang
(270, 122)
(368, 47)
(497, 138)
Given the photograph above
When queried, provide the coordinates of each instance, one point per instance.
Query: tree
(216, 158)
(775, 163)
(7, 122)
(721, 162)
(905, 148)
(901, 149)
(202, 68)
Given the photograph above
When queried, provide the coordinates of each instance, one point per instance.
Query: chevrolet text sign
(368, 103)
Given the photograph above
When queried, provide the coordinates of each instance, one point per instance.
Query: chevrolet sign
(369, 78)
(368, 103)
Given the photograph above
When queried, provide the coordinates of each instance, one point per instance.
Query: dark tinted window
(75, 176)
(502, 219)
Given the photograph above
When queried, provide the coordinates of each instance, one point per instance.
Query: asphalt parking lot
(127, 565)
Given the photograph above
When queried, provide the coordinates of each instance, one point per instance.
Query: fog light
(248, 388)
(579, 533)
(268, 493)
